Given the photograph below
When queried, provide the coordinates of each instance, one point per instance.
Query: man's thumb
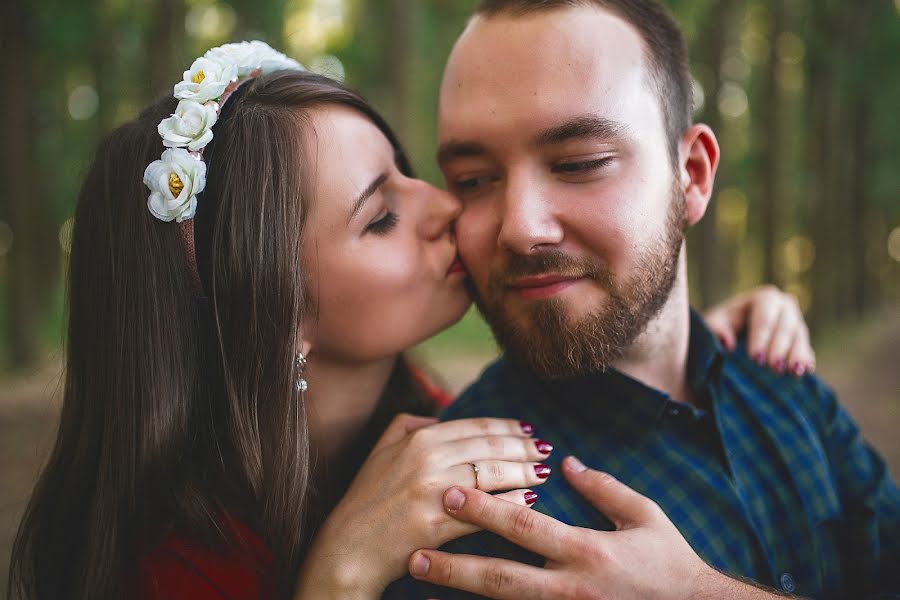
(622, 505)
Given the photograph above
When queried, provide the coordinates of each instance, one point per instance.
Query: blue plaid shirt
(770, 481)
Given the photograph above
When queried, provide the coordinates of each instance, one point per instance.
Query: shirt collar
(619, 404)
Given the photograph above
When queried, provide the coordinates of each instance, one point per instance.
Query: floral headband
(179, 175)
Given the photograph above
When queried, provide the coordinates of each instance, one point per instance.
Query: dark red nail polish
(530, 498)
(779, 365)
(543, 447)
(759, 359)
(542, 470)
(526, 427)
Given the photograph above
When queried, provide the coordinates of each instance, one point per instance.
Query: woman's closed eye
(383, 224)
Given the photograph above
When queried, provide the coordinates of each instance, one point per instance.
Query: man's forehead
(539, 65)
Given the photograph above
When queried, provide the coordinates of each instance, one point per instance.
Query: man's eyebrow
(584, 127)
(455, 149)
(366, 194)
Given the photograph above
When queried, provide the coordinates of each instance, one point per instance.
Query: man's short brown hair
(667, 51)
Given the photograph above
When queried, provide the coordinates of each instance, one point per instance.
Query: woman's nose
(440, 210)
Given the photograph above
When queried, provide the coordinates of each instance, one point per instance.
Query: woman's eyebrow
(366, 194)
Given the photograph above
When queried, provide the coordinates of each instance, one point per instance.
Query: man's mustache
(547, 262)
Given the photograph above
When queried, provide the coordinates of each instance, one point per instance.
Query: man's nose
(439, 210)
(528, 217)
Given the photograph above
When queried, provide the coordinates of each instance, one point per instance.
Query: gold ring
(475, 469)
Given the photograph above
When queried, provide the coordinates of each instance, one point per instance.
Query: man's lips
(542, 286)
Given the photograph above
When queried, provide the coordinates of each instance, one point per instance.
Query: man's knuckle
(594, 553)
(496, 579)
(523, 523)
(426, 490)
(654, 511)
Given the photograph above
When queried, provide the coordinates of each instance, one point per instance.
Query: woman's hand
(646, 557)
(776, 332)
(393, 506)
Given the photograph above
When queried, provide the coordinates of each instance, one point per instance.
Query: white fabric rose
(206, 80)
(279, 62)
(269, 60)
(249, 56)
(240, 54)
(174, 182)
(190, 126)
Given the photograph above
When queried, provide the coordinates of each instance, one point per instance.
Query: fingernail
(779, 366)
(759, 359)
(799, 369)
(576, 465)
(454, 499)
(526, 427)
(530, 498)
(543, 447)
(420, 566)
(542, 470)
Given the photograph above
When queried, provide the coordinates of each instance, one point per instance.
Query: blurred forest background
(804, 96)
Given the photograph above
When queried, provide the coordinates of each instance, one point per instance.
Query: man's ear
(699, 156)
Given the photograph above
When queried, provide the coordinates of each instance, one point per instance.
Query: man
(565, 128)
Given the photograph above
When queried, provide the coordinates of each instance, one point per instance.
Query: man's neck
(341, 398)
(658, 357)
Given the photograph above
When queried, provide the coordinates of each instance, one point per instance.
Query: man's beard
(549, 345)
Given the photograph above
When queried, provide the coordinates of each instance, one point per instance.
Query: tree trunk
(400, 54)
(24, 289)
(774, 154)
(858, 122)
(714, 278)
(822, 93)
(165, 41)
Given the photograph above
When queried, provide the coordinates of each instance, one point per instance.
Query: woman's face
(378, 248)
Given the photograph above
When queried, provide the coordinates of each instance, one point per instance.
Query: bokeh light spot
(65, 236)
(699, 96)
(733, 101)
(210, 21)
(83, 102)
(893, 244)
(798, 254)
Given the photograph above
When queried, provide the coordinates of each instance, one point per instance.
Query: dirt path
(861, 364)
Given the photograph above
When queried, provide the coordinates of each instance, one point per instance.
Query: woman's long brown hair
(177, 411)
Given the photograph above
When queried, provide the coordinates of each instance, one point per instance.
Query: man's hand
(646, 557)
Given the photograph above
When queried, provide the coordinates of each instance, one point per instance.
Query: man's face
(553, 138)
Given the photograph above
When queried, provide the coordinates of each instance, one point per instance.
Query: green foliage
(844, 90)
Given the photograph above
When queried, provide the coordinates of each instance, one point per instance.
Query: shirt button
(787, 583)
(673, 411)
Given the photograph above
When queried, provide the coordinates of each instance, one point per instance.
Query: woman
(191, 459)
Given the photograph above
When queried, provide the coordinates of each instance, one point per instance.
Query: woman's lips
(456, 267)
(544, 286)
